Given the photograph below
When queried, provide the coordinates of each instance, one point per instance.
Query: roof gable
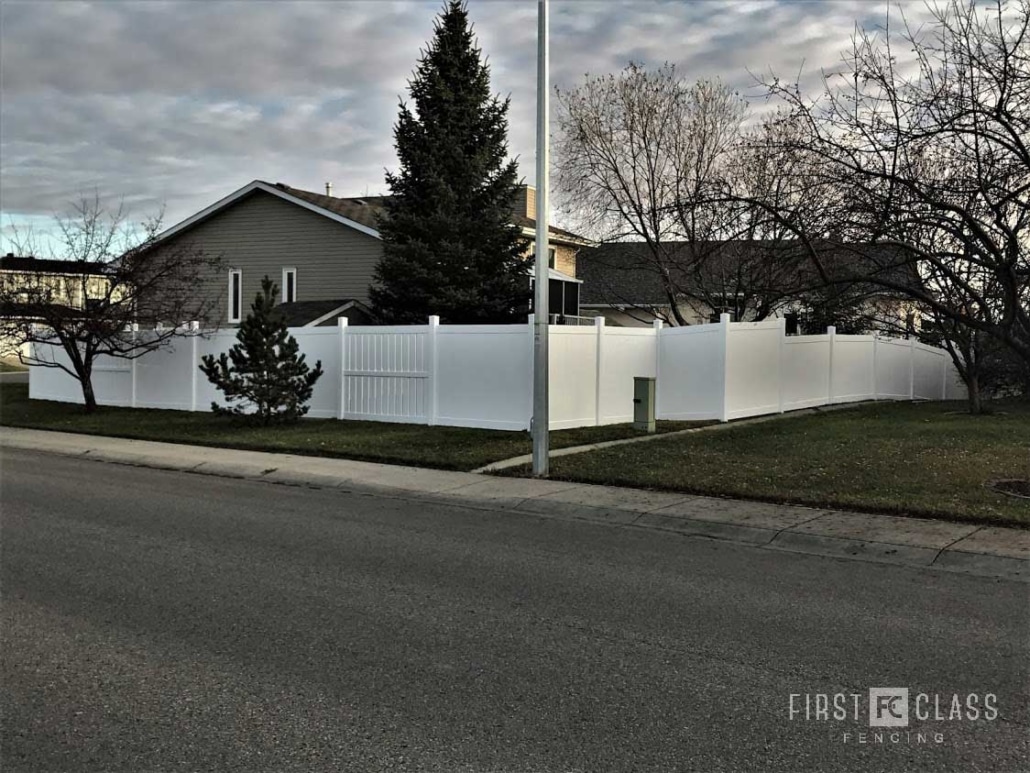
(280, 191)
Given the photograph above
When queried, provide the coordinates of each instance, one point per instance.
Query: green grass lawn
(448, 448)
(11, 367)
(928, 459)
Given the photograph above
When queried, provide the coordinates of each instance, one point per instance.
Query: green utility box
(643, 404)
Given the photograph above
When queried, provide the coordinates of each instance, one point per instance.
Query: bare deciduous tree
(932, 158)
(647, 157)
(637, 155)
(116, 282)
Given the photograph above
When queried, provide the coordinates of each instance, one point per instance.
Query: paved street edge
(982, 550)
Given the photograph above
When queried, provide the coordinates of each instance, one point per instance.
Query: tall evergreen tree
(449, 245)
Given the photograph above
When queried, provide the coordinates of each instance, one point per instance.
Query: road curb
(986, 551)
(893, 553)
(984, 564)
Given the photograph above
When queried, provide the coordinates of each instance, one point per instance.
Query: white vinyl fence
(482, 375)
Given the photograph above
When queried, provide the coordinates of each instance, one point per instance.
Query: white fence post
(341, 408)
(132, 366)
(194, 331)
(782, 372)
(599, 368)
(434, 369)
(658, 327)
(876, 368)
(911, 368)
(831, 331)
(944, 375)
(724, 321)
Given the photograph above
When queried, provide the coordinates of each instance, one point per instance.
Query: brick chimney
(525, 202)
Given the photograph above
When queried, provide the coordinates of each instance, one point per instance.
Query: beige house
(322, 251)
(27, 281)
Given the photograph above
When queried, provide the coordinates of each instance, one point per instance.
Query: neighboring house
(748, 280)
(27, 281)
(322, 251)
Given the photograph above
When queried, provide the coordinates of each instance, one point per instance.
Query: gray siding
(262, 234)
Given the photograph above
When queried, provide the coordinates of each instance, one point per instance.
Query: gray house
(322, 251)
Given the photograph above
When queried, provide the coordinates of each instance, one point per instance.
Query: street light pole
(541, 413)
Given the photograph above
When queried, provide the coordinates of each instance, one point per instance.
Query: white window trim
(235, 272)
(288, 270)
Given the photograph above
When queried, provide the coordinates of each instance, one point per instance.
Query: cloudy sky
(181, 103)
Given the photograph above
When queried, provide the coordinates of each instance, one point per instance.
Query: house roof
(366, 210)
(360, 209)
(313, 313)
(557, 234)
(625, 273)
(358, 212)
(30, 264)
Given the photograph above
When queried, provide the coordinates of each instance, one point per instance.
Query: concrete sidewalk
(983, 550)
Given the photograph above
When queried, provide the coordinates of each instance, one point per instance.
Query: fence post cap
(434, 320)
(831, 330)
(599, 320)
(342, 321)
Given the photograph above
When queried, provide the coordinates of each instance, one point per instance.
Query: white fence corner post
(434, 368)
(912, 368)
(341, 407)
(659, 326)
(782, 360)
(132, 366)
(194, 365)
(944, 375)
(831, 331)
(598, 368)
(724, 322)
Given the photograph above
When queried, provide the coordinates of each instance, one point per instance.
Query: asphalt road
(160, 621)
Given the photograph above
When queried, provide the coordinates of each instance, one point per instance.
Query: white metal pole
(541, 309)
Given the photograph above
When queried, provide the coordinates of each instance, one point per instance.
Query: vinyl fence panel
(572, 374)
(624, 353)
(164, 379)
(893, 375)
(852, 369)
(805, 359)
(753, 361)
(484, 376)
(929, 372)
(692, 372)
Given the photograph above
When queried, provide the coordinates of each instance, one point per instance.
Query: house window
(289, 285)
(235, 295)
(551, 256)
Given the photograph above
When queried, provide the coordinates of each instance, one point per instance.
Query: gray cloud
(182, 102)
